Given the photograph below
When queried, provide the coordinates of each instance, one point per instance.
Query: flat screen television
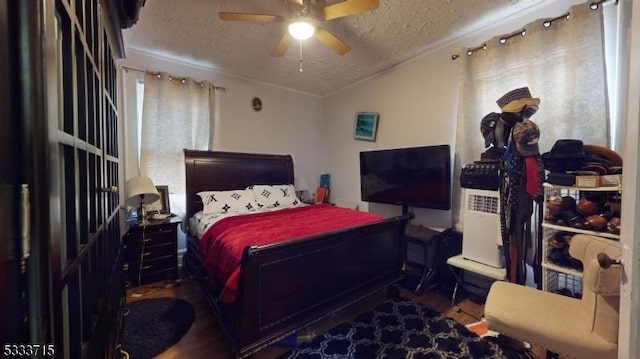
(411, 177)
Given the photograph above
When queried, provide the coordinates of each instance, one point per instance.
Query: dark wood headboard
(221, 171)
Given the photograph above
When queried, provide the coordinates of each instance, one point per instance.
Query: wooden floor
(205, 339)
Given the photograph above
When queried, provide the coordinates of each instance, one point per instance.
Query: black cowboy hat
(565, 155)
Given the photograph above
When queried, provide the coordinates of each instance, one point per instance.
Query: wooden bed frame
(289, 285)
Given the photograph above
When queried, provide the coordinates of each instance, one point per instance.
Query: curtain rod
(223, 89)
(522, 32)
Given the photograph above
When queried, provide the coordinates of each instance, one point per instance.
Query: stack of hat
(491, 155)
(526, 136)
(601, 156)
(559, 251)
(570, 157)
(518, 101)
(491, 130)
(488, 128)
(517, 106)
(594, 210)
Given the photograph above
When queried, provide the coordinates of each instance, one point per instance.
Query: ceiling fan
(305, 15)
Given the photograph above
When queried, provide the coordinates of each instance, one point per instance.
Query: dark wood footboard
(290, 285)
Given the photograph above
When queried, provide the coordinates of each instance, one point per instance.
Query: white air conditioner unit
(482, 241)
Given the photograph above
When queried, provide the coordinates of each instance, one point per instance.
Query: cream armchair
(581, 328)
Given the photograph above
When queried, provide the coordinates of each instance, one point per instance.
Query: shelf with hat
(572, 163)
(569, 210)
(582, 194)
(586, 211)
(582, 231)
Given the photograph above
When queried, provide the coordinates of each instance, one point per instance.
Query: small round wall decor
(256, 104)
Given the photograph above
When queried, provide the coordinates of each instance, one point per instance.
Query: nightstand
(151, 251)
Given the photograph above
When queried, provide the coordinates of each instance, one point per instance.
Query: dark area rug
(153, 325)
(400, 328)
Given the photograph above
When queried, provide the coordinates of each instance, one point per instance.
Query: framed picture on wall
(365, 126)
(162, 204)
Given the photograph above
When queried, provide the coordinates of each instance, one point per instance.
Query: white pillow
(275, 196)
(235, 201)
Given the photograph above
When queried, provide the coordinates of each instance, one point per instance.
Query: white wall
(290, 121)
(417, 102)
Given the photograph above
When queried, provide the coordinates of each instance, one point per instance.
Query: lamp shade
(300, 183)
(141, 190)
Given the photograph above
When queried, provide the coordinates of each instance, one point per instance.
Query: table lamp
(301, 185)
(141, 191)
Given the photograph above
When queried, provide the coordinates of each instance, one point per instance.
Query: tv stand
(422, 240)
(405, 209)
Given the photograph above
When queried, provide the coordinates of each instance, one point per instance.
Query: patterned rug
(153, 325)
(400, 328)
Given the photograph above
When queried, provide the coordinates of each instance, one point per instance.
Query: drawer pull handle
(147, 267)
(147, 239)
(146, 253)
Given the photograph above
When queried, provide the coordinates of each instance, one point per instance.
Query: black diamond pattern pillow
(235, 201)
(275, 196)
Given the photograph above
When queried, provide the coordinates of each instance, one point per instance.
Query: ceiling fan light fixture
(301, 30)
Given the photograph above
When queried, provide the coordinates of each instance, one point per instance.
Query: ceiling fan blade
(331, 41)
(238, 16)
(282, 46)
(349, 7)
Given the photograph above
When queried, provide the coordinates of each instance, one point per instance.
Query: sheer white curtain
(562, 64)
(176, 114)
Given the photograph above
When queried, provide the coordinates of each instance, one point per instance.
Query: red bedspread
(223, 243)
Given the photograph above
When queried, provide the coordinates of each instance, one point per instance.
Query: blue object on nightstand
(325, 180)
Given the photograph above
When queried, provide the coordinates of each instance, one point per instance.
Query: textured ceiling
(190, 30)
